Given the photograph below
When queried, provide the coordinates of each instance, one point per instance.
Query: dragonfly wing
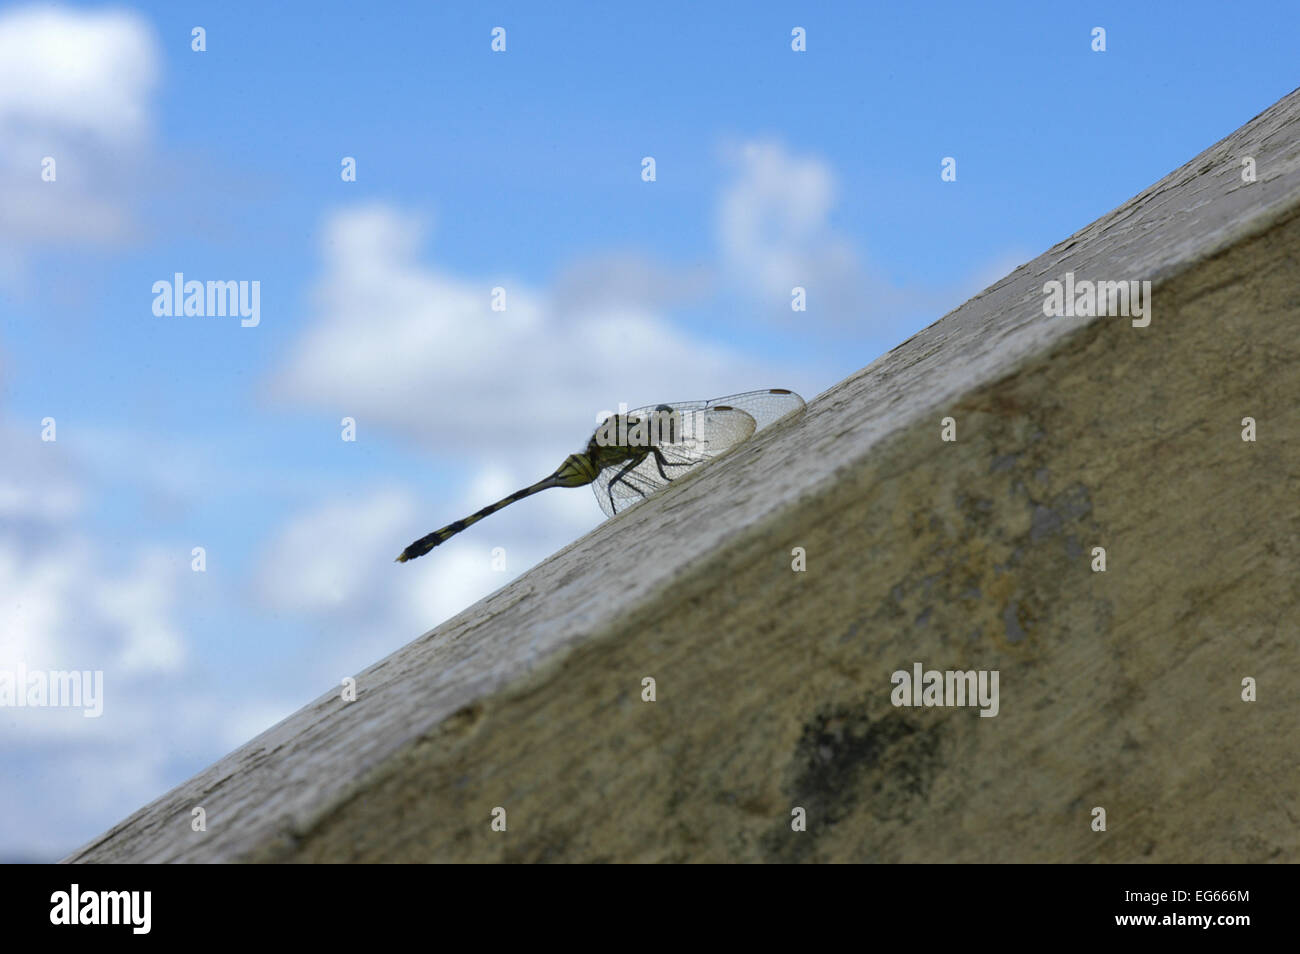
(765, 407)
(711, 432)
(615, 492)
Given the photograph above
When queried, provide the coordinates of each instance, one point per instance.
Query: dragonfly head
(577, 469)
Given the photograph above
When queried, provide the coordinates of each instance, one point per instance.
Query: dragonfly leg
(619, 476)
(661, 462)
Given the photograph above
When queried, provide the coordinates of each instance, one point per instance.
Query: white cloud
(401, 343)
(139, 605)
(63, 602)
(75, 71)
(70, 601)
(75, 85)
(60, 608)
(774, 233)
(776, 208)
(36, 484)
(624, 279)
(325, 558)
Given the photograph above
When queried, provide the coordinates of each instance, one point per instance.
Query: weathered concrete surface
(1118, 689)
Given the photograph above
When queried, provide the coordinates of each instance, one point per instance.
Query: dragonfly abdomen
(577, 470)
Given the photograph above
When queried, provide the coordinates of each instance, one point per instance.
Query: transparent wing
(703, 430)
(765, 407)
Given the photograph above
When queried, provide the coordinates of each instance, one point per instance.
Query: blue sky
(475, 170)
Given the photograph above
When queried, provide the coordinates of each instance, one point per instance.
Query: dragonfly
(636, 454)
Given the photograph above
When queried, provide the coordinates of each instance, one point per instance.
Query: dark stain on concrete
(846, 763)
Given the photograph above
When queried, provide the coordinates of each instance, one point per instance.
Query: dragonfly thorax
(640, 431)
(607, 455)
